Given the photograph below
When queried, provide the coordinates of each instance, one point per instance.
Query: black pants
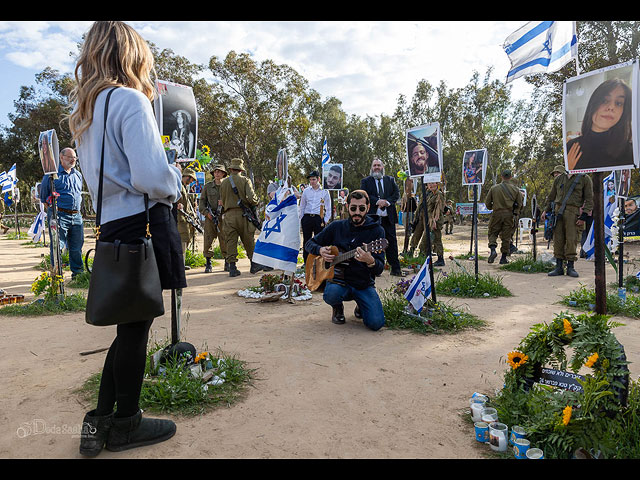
(311, 225)
(392, 249)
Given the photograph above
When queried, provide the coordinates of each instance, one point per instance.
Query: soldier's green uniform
(449, 218)
(501, 199)
(234, 224)
(435, 207)
(208, 205)
(566, 233)
(185, 229)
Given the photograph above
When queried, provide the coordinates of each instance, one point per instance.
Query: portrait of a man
(424, 156)
(332, 176)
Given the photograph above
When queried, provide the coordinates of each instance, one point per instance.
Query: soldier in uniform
(185, 229)
(505, 199)
(448, 218)
(569, 224)
(435, 206)
(234, 224)
(210, 207)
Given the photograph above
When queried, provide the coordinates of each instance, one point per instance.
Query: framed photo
(342, 195)
(470, 192)
(177, 118)
(282, 166)
(474, 166)
(599, 115)
(623, 183)
(424, 152)
(49, 151)
(332, 176)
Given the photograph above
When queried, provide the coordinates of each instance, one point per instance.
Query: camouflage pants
(210, 234)
(501, 225)
(566, 235)
(236, 227)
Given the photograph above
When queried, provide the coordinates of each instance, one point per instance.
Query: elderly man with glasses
(354, 278)
(68, 191)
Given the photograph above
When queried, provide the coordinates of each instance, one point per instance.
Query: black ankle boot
(439, 262)
(256, 267)
(493, 254)
(559, 270)
(337, 316)
(226, 266)
(95, 430)
(570, 270)
(208, 268)
(233, 271)
(503, 260)
(136, 431)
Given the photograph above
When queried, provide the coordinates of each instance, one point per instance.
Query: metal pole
(427, 232)
(598, 238)
(475, 221)
(621, 218)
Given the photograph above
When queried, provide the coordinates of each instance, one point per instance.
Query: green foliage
(585, 297)
(194, 259)
(527, 264)
(461, 283)
(76, 302)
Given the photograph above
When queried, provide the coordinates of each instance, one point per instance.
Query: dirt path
(323, 390)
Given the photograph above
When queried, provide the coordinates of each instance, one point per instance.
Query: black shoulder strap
(569, 192)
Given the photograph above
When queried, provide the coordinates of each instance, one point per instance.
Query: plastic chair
(525, 226)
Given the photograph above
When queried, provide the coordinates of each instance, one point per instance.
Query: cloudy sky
(365, 64)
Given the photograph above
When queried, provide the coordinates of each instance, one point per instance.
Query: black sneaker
(357, 312)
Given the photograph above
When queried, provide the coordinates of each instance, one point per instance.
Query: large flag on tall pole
(420, 287)
(326, 158)
(279, 242)
(540, 47)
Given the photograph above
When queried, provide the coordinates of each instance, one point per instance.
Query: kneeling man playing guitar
(349, 254)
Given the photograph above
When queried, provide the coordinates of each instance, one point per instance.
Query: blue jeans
(367, 300)
(71, 232)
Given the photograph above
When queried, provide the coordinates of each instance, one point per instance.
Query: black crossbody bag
(125, 282)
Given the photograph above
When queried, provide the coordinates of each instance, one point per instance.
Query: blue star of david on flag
(275, 227)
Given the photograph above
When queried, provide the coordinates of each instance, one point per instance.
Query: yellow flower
(591, 360)
(206, 150)
(566, 415)
(568, 329)
(516, 359)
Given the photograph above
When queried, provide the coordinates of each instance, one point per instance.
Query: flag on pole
(279, 242)
(609, 209)
(37, 227)
(540, 47)
(420, 287)
(326, 158)
(10, 180)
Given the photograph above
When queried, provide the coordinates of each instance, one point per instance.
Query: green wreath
(593, 345)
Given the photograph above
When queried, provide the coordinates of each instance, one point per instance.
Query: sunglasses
(355, 208)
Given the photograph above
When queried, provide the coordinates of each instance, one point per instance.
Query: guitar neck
(341, 257)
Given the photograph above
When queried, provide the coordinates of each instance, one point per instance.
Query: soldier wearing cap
(578, 202)
(506, 201)
(185, 229)
(234, 224)
(210, 207)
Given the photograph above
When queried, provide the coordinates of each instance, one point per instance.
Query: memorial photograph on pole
(424, 152)
(332, 176)
(177, 117)
(49, 151)
(599, 115)
(474, 167)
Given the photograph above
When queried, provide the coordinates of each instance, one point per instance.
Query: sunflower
(568, 329)
(516, 359)
(591, 360)
(206, 150)
(566, 415)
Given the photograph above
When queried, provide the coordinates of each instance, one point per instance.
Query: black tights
(124, 370)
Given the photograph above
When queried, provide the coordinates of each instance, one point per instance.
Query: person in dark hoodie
(354, 278)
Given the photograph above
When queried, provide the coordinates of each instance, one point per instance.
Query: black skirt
(164, 236)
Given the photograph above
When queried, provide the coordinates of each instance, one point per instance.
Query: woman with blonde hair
(116, 64)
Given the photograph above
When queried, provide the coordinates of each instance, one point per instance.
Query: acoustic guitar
(317, 269)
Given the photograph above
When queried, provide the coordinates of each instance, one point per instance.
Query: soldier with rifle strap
(210, 206)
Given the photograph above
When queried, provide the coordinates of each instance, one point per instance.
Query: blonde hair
(113, 54)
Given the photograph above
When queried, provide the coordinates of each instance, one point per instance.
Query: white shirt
(310, 202)
(380, 187)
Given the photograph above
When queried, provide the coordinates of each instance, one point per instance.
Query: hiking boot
(233, 271)
(255, 267)
(503, 260)
(559, 270)
(570, 270)
(439, 262)
(337, 316)
(136, 431)
(95, 430)
(493, 255)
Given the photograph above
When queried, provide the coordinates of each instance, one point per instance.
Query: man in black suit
(383, 194)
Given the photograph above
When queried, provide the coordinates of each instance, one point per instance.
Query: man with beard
(353, 279)
(383, 194)
(632, 218)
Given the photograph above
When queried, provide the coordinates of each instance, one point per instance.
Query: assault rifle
(215, 215)
(248, 212)
(194, 222)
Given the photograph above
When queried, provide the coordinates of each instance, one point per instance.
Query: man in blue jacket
(68, 188)
(354, 279)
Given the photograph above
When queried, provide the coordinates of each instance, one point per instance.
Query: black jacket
(344, 235)
(391, 194)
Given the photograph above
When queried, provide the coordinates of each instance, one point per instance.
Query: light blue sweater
(134, 158)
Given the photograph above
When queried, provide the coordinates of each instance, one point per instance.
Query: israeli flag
(279, 242)
(540, 47)
(37, 227)
(326, 158)
(5, 182)
(420, 288)
(589, 246)
(11, 180)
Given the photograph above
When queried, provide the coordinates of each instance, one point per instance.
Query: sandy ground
(322, 390)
